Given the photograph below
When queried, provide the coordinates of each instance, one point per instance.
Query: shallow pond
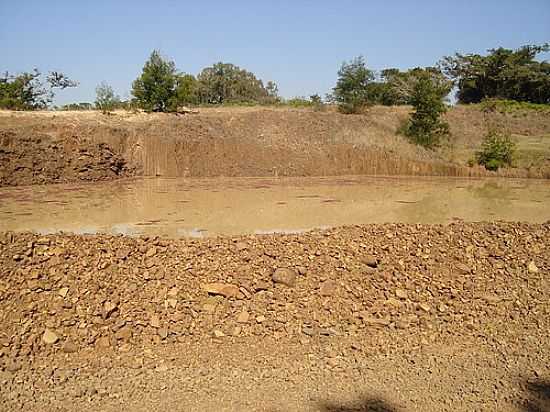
(206, 207)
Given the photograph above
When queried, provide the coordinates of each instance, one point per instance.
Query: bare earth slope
(378, 317)
(39, 159)
(247, 142)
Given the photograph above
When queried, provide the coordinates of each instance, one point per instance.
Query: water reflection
(207, 207)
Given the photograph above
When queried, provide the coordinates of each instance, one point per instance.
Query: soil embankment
(49, 147)
(39, 159)
(401, 317)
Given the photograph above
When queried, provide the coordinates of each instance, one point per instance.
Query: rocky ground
(377, 317)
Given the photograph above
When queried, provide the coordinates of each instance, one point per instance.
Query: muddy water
(206, 207)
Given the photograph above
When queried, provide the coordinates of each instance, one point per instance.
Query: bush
(352, 89)
(497, 150)
(425, 127)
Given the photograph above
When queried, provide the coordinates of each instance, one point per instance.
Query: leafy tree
(396, 87)
(272, 92)
(106, 100)
(425, 126)
(497, 150)
(27, 91)
(316, 99)
(317, 102)
(227, 83)
(351, 92)
(155, 89)
(502, 73)
(401, 85)
(186, 90)
(60, 81)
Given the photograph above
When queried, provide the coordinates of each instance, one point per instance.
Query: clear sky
(300, 44)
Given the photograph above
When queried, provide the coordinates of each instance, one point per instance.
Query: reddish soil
(378, 317)
(40, 159)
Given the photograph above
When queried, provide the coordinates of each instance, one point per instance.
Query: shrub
(497, 150)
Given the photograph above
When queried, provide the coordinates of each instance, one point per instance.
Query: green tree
(502, 73)
(58, 80)
(351, 92)
(27, 91)
(425, 126)
(227, 83)
(106, 99)
(155, 89)
(272, 92)
(186, 90)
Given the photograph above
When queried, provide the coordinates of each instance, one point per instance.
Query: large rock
(243, 317)
(49, 337)
(401, 294)
(226, 290)
(463, 268)
(70, 347)
(285, 276)
(532, 267)
(370, 260)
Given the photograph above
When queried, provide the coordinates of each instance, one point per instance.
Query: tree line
(160, 87)
(502, 73)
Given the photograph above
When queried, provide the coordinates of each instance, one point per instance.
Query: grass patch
(532, 151)
(512, 106)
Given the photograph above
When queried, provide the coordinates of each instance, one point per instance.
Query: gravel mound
(377, 289)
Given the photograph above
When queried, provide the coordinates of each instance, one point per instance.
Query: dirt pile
(41, 159)
(351, 296)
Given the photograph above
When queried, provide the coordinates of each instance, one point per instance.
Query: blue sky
(299, 44)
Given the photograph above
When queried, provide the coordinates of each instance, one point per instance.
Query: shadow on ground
(538, 396)
(364, 405)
